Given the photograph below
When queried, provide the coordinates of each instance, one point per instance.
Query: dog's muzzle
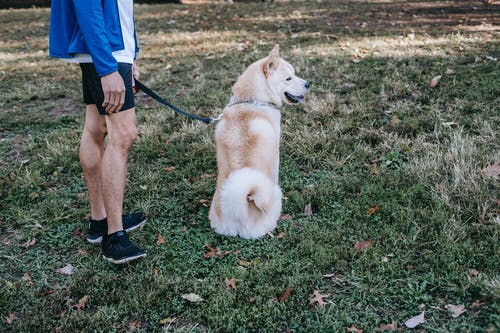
(295, 99)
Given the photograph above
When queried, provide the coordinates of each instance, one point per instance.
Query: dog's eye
(288, 78)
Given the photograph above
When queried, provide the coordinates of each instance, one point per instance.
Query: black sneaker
(118, 249)
(98, 228)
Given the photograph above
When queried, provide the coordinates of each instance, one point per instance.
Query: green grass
(372, 132)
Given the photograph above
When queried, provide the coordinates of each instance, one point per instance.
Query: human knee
(90, 166)
(131, 134)
(97, 130)
(125, 137)
(95, 124)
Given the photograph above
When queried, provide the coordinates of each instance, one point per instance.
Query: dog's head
(282, 80)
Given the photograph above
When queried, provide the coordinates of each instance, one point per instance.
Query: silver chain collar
(234, 101)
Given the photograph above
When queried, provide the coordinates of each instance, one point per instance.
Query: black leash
(157, 98)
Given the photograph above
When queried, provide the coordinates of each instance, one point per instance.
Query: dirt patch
(65, 107)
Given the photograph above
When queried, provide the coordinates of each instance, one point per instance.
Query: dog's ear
(272, 60)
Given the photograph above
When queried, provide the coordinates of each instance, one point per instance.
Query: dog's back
(248, 200)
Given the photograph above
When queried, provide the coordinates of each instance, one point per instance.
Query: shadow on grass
(342, 17)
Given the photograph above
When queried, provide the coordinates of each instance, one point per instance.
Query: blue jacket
(86, 26)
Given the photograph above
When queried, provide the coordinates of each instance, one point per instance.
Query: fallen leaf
(354, 329)
(450, 124)
(83, 252)
(281, 235)
(387, 327)
(160, 239)
(208, 176)
(434, 81)
(308, 210)
(66, 270)
(244, 263)
(167, 320)
(415, 321)
(348, 85)
(373, 209)
(10, 318)
(46, 292)
(285, 295)
(82, 303)
(477, 304)
(170, 168)
(77, 233)
(231, 283)
(387, 257)
(27, 278)
(212, 251)
(363, 245)
(317, 297)
(204, 202)
(193, 298)
(156, 271)
(394, 120)
(374, 169)
(450, 71)
(473, 272)
(455, 310)
(285, 217)
(417, 93)
(492, 170)
(29, 243)
(135, 324)
(338, 278)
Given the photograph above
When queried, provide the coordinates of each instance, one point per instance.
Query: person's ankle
(114, 231)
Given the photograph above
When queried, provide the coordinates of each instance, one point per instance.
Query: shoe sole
(98, 240)
(124, 260)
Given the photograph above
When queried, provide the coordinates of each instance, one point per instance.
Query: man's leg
(91, 153)
(122, 132)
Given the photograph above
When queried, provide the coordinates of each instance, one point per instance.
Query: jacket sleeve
(89, 14)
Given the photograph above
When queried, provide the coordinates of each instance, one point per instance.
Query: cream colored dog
(247, 201)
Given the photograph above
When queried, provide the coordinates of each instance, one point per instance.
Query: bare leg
(91, 152)
(122, 132)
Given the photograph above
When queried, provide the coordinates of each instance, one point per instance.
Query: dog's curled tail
(251, 202)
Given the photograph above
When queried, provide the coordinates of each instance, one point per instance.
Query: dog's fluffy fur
(247, 201)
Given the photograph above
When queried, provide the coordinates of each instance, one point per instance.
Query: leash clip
(213, 120)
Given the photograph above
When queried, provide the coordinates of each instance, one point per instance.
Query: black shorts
(92, 89)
